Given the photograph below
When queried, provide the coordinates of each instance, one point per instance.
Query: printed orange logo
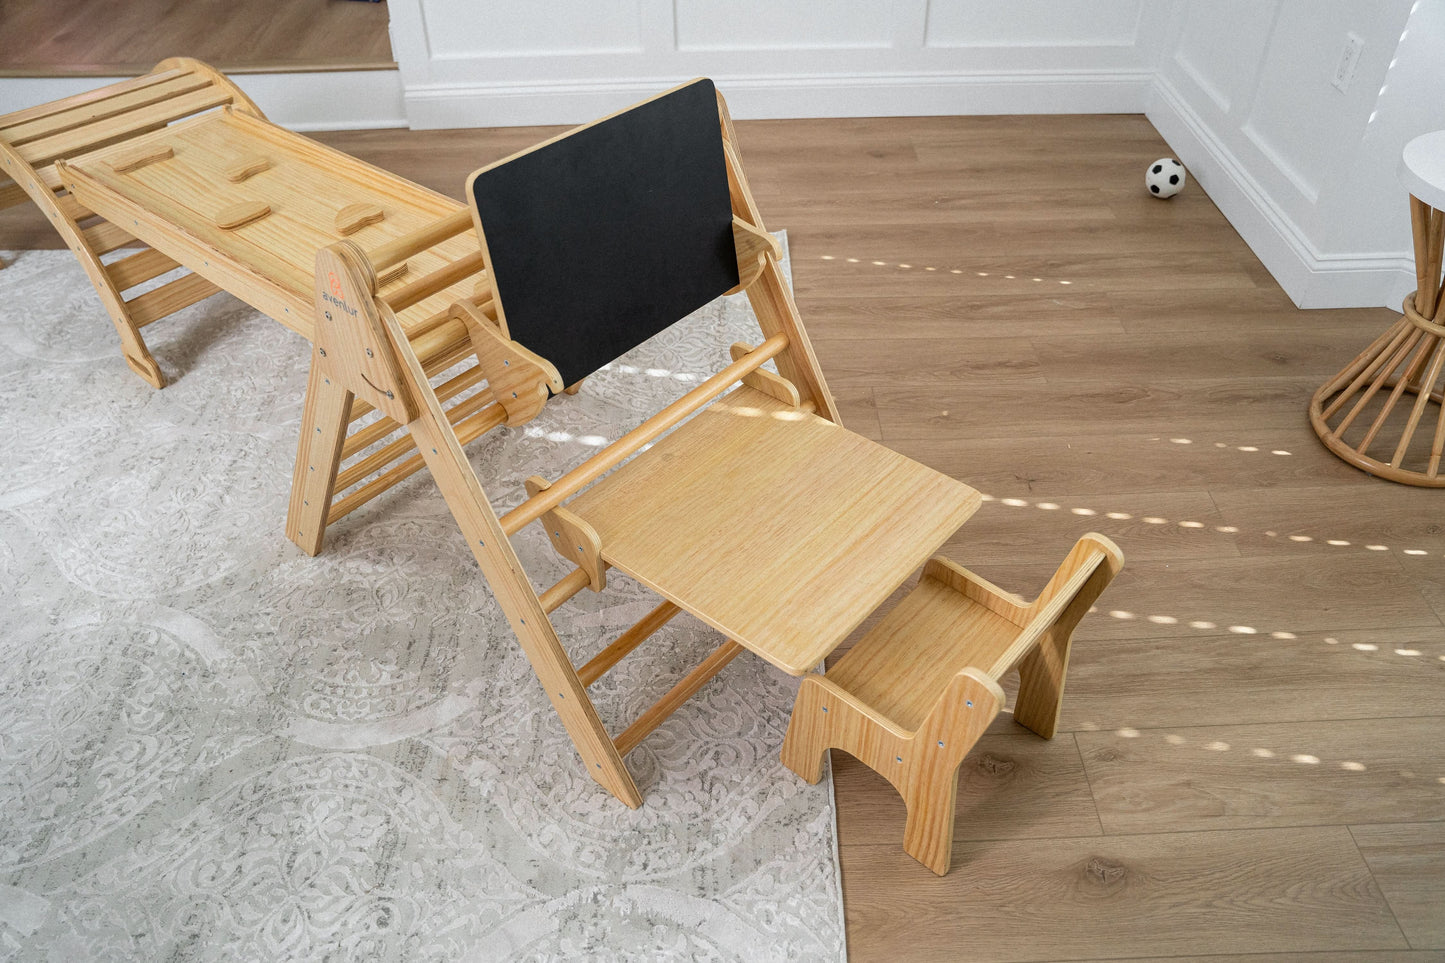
(335, 284)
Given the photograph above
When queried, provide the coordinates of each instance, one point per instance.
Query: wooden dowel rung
(391, 452)
(618, 650)
(379, 429)
(438, 280)
(613, 455)
(676, 696)
(572, 583)
(169, 298)
(385, 255)
(467, 431)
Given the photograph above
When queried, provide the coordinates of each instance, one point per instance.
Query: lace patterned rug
(213, 747)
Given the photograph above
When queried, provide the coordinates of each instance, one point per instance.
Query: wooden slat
(628, 739)
(139, 267)
(106, 237)
(19, 117)
(67, 120)
(112, 129)
(169, 298)
(72, 208)
(12, 194)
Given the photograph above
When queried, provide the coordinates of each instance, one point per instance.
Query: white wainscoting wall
(567, 61)
(1304, 171)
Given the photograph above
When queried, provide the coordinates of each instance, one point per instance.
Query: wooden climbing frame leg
(324, 421)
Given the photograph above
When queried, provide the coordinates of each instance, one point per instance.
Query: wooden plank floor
(53, 38)
(1250, 758)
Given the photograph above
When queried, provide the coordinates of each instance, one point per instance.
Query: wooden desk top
(172, 204)
(776, 527)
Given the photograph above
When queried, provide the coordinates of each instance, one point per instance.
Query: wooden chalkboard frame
(599, 238)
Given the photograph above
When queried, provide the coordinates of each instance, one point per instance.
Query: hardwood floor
(53, 38)
(1249, 760)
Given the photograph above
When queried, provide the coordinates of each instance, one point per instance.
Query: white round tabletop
(1422, 168)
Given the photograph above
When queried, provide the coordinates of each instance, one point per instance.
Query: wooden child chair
(911, 698)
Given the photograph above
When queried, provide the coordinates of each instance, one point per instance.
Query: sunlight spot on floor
(1353, 766)
(1174, 740)
(1416, 551)
(1263, 753)
(1121, 614)
(827, 257)
(1128, 733)
(1120, 516)
(1248, 448)
(1181, 441)
(1378, 548)
(1191, 524)
(1283, 635)
(1226, 529)
(1048, 506)
(1083, 511)
(1015, 502)
(1279, 451)
(1407, 651)
(1305, 759)
(594, 441)
(1364, 647)
(1243, 629)
(1217, 746)
(1202, 624)
(1337, 542)
(1300, 538)
(1331, 641)
(1154, 520)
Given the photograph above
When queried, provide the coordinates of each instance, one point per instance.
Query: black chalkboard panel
(600, 239)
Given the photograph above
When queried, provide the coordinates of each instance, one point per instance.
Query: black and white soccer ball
(1165, 177)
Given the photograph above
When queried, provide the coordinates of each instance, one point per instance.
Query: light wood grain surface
(1340, 634)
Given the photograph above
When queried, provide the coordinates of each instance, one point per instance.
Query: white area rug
(213, 747)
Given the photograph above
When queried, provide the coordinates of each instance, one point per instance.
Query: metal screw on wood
(323, 354)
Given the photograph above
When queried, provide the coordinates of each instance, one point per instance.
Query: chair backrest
(602, 237)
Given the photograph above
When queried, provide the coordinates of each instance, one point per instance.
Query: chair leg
(324, 420)
(928, 833)
(1041, 684)
(805, 744)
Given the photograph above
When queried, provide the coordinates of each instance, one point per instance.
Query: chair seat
(903, 664)
(778, 528)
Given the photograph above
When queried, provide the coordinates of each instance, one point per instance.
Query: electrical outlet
(1349, 60)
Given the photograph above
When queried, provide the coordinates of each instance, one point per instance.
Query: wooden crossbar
(438, 280)
(393, 252)
(624, 447)
(19, 117)
(618, 650)
(80, 115)
(628, 739)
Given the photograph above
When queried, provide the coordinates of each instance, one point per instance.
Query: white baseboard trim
(306, 101)
(753, 98)
(1310, 278)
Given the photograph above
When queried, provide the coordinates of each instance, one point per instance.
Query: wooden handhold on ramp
(247, 166)
(237, 215)
(353, 217)
(135, 160)
(393, 273)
